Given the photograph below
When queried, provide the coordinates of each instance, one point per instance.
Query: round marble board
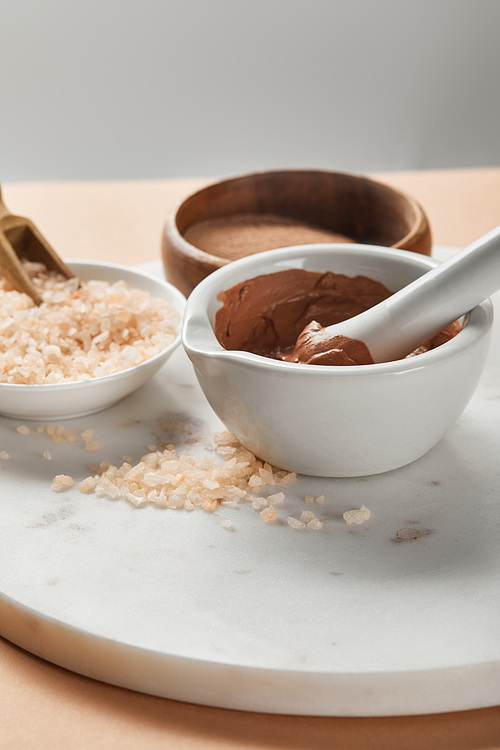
(399, 615)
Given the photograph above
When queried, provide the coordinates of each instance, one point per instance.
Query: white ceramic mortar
(334, 421)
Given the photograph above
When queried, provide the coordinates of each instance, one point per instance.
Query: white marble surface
(341, 621)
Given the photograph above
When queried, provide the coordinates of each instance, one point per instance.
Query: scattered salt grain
(356, 516)
(269, 514)
(288, 478)
(175, 480)
(229, 503)
(90, 443)
(61, 482)
(315, 523)
(295, 523)
(259, 503)
(87, 485)
(47, 455)
(266, 474)
(4, 455)
(227, 524)
(256, 481)
(23, 429)
(310, 520)
(310, 499)
(93, 445)
(307, 515)
(276, 499)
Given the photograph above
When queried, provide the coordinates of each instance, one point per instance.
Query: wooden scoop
(20, 239)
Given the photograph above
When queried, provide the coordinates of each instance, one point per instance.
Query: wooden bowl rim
(420, 224)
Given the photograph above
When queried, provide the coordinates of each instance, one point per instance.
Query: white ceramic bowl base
(334, 421)
(396, 616)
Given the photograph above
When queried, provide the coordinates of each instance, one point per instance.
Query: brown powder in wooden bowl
(239, 235)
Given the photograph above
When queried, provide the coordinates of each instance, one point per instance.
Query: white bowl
(75, 399)
(334, 421)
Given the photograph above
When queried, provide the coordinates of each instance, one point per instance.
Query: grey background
(111, 89)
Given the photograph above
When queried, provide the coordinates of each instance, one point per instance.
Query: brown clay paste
(265, 315)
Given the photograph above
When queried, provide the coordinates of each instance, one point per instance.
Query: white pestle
(398, 325)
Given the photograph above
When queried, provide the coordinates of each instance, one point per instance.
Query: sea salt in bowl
(335, 421)
(50, 401)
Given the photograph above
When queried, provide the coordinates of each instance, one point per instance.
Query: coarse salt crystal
(224, 438)
(4, 455)
(307, 515)
(211, 484)
(269, 514)
(93, 445)
(259, 503)
(227, 524)
(61, 482)
(209, 507)
(255, 481)
(356, 516)
(23, 429)
(182, 480)
(287, 480)
(266, 476)
(276, 499)
(295, 523)
(87, 485)
(315, 523)
(78, 333)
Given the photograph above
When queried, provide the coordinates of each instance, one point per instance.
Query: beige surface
(122, 221)
(44, 706)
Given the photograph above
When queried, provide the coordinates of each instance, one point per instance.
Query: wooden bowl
(260, 211)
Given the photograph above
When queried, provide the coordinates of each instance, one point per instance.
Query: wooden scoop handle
(12, 268)
(38, 249)
(19, 239)
(4, 211)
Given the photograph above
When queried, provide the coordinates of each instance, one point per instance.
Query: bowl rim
(197, 325)
(419, 227)
(132, 271)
